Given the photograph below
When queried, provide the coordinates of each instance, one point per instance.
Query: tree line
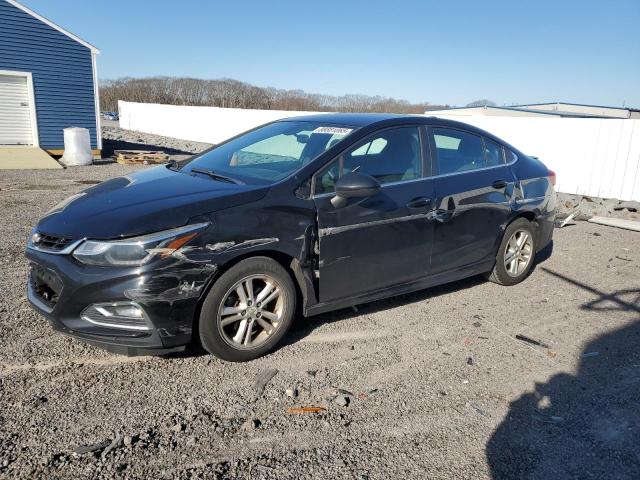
(231, 93)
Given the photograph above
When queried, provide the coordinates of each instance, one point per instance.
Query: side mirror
(354, 185)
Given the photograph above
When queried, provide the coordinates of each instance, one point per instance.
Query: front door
(373, 243)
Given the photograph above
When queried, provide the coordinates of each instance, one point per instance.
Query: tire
(513, 233)
(234, 328)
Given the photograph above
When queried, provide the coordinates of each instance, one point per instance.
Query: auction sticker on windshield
(333, 130)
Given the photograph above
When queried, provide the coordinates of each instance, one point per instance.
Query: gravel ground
(428, 385)
(116, 138)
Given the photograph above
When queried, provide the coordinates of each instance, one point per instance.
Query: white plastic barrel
(77, 147)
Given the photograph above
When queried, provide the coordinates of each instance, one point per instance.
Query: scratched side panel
(471, 216)
(535, 194)
(280, 224)
(373, 243)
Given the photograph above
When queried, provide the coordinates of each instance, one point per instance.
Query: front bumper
(168, 292)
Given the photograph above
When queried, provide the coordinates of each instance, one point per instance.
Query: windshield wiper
(172, 165)
(216, 176)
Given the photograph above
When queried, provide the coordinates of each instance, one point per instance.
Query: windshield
(269, 153)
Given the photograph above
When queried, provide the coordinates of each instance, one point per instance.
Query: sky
(444, 52)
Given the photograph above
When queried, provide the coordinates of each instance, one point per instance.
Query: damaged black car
(294, 218)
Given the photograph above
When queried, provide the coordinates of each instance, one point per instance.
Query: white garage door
(15, 111)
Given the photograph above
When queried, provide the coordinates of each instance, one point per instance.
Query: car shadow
(305, 326)
(585, 425)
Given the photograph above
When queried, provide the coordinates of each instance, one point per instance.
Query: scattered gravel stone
(628, 205)
(116, 138)
(178, 427)
(116, 443)
(94, 447)
(342, 400)
(129, 440)
(291, 392)
(250, 424)
(262, 379)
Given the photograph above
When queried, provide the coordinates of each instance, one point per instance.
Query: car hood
(144, 202)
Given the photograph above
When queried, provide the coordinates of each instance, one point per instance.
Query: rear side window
(493, 153)
(510, 156)
(457, 151)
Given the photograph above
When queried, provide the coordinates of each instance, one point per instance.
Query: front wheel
(248, 310)
(516, 254)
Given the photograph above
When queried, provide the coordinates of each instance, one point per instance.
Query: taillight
(552, 177)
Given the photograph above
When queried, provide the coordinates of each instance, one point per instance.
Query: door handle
(498, 184)
(419, 202)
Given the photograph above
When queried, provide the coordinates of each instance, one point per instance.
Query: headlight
(138, 250)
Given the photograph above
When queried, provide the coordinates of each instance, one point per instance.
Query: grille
(45, 284)
(51, 242)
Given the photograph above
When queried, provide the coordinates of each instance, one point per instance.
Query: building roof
(552, 113)
(527, 105)
(53, 25)
(530, 110)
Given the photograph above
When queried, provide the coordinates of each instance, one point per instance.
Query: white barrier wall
(597, 157)
(591, 156)
(200, 124)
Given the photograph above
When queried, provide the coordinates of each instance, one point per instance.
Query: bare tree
(482, 103)
(231, 93)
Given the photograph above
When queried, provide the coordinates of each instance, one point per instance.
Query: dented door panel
(470, 214)
(373, 243)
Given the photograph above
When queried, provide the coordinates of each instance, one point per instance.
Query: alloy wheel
(518, 253)
(251, 311)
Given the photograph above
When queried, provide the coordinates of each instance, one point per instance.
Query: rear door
(383, 240)
(474, 192)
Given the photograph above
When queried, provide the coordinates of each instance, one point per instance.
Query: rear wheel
(516, 254)
(248, 310)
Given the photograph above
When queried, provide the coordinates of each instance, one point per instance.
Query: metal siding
(62, 74)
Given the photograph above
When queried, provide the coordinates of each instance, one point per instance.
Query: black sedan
(302, 215)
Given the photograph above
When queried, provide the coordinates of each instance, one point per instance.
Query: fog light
(124, 315)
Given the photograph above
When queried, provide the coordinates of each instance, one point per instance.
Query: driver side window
(391, 155)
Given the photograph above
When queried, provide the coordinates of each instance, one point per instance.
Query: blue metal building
(48, 81)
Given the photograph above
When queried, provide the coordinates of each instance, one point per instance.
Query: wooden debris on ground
(140, 156)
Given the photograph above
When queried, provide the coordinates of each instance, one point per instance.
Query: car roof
(350, 119)
(359, 120)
